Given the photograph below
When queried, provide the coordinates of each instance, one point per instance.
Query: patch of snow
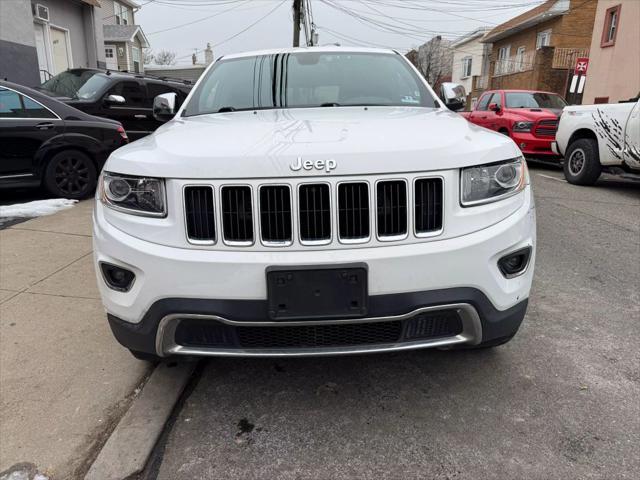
(39, 476)
(18, 475)
(37, 208)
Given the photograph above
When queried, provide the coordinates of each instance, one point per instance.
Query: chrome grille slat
(200, 214)
(315, 212)
(353, 211)
(275, 214)
(428, 205)
(237, 214)
(392, 208)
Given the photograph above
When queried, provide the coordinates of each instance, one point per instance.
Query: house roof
(478, 32)
(124, 33)
(539, 14)
(94, 3)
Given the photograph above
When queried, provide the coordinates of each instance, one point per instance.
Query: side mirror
(494, 107)
(164, 106)
(453, 95)
(114, 100)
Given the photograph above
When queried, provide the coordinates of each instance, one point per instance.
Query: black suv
(125, 97)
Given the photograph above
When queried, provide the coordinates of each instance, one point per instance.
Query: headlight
(136, 195)
(522, 126)
(491, 182)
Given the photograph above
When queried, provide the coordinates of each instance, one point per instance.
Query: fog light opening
(515, 263)
(117, 278)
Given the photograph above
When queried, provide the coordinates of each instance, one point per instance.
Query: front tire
(70, 174)
(582, 162)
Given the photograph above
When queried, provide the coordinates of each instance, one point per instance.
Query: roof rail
(168, 79)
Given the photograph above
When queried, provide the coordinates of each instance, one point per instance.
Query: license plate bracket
(317, 292)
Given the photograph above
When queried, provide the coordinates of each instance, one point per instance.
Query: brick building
(537, 50)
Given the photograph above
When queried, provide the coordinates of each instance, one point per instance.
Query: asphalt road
(562, 400)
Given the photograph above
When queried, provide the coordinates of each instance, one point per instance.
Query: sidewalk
(64, 380)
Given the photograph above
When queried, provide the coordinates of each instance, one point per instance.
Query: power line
(200, 19)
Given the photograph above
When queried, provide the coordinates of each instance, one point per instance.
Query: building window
(601, 100)
(108, 52)
(121, 13)
(543, 39)
(611, 22)
(136, 59)
(466, 67)
(502, 65)
(520, 59)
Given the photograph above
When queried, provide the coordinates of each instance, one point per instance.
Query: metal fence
(520, 62)
(566, 57)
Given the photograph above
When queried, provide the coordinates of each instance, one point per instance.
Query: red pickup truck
(530, 118)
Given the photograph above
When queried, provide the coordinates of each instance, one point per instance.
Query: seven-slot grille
(546, 128)
(311, 205)
(237, 215)
(315, 212)
(428, 205)
(353, 211)
(275, 213)
(392, 208)
(199, 213)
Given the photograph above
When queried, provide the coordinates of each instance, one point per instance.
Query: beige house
(470, 61)
(614, 60)
(123, 39)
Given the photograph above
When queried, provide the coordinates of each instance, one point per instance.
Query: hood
(535, 114)
(267, 143)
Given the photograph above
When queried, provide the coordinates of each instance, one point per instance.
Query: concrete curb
(129, 446)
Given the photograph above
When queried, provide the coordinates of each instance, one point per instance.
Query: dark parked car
(125, 97)
(46, 142)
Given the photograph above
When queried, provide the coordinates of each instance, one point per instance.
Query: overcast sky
(216, 21)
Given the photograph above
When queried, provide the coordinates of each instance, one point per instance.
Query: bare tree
(147, 56)
(165, 57)
(435, 60)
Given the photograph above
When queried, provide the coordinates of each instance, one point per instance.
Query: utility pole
(297, 20)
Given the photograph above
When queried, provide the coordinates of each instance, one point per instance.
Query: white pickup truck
(599, 138)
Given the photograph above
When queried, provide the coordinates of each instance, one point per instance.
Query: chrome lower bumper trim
(471, 334)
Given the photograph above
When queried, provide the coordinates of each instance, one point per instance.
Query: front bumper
(228, 288)
(251, 335)
(532, 146)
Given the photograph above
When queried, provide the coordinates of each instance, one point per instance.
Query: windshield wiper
(330, 104)
(226, 109)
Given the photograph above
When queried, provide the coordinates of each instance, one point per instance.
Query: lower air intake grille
(431, 325)
(319, 335)
(237, 217)
(199, 213)
(203, 333)
(428, 205)
(315, 213)
(392, 208)
(353, 211)
(275, 213)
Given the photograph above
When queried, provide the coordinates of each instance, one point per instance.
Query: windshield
(534, 100)
(308, 79)
(84, 85)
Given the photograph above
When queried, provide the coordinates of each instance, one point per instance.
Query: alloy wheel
(577, 161)
(72, 175)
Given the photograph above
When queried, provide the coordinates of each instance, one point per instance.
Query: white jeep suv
(313, 201)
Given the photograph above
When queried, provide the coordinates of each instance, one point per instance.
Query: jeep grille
(307, 213)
